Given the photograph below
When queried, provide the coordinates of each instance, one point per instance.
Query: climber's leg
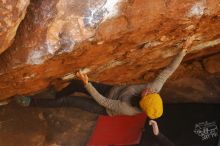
(74, 86)
(77, 86)
(81, 102)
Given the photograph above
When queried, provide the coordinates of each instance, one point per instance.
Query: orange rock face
(212, 64)
(12, 13)
(114, 41)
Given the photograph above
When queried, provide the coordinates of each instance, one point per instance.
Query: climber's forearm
(158, 83)
(107, 103)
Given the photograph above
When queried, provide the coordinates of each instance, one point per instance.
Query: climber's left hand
(83, 77)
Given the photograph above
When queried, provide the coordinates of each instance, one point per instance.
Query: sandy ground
(21, 126)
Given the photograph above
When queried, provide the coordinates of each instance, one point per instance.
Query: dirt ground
(21, 126)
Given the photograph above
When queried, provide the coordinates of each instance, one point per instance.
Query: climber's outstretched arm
(107, 103)
(158, 83)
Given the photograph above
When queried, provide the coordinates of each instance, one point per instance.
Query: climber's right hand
(187, 45)
(83, 77)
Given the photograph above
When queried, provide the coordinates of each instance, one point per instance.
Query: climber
(122, 100)
(155, 139)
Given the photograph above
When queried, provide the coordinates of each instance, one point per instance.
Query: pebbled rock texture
(114, 41)
(12, 12)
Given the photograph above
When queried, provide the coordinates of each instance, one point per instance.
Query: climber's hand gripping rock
(83, 77)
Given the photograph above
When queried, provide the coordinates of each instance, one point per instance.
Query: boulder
(12, 12)
(114, 41)
(212, 64)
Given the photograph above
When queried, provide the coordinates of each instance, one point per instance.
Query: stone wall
(114, 41)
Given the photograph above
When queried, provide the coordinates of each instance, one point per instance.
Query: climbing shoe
(23, 100)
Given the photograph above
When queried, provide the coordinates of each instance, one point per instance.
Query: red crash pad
(117, 130)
